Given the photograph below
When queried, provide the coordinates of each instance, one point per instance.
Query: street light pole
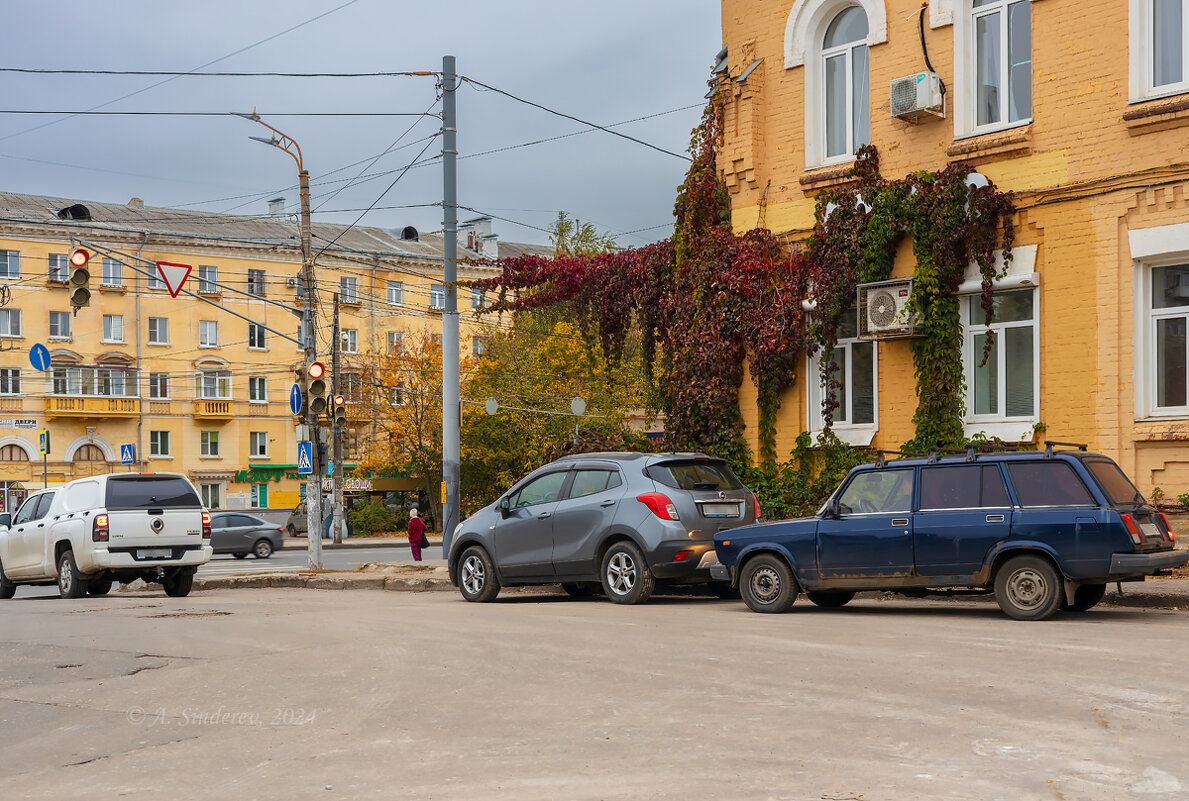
(308, 336)
(451, 406)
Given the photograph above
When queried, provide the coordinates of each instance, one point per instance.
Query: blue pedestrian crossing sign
(43, 441)
(127, 454)
(39, 357)
(305, 458)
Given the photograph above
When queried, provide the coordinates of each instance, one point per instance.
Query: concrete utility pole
(451, 410)
(308, 336)
(336, 431)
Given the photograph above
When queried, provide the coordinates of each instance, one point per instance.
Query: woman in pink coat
(416, 535)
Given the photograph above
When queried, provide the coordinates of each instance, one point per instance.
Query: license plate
(720, 510)
(154, 553)
(1150, 530)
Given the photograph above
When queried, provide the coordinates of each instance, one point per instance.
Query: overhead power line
(219, 113)
(196, 74)
(555, 112)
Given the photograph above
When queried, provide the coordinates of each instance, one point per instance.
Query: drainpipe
(375, 266)
(139, 372)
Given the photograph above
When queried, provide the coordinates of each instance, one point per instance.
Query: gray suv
(618, 522)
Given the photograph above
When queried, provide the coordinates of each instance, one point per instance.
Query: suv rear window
(145, 492)
(694, 474)
(1114, 482)
(1048, 484)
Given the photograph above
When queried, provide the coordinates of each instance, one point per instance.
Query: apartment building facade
(1082, 110)
(196, 384)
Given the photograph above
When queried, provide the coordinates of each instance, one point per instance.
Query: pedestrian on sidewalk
(416, 535)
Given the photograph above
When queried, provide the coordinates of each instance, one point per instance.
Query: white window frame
(211, 493)
(11, 259)
(209, 443)
(437, 297)
(256, 331)
(1145, 335)
(257, 282)
(350, 340)
(846, 51)
(257, 382)
(1142, 52)
(113, 273)
(155, 331)
(859, 434)
(222, 385)
(153, 279)
(156, 439)
(478, 346)
(10, 381)
(349, 289)
(206, 327)
(10, 323)
(255, 439)
(965, 92)
(1009, 429)
(208, 275)
(59, 268)
(396, 293)
(65, 333)
(112, 322)
(478, 298)
(396, 341)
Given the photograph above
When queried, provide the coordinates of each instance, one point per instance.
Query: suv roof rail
(1050, 444)
(881, 456)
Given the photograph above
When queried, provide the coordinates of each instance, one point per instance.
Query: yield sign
(174, 276)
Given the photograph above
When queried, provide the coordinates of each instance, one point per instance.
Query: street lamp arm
(279, 140)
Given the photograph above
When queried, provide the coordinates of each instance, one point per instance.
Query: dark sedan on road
(242, 534)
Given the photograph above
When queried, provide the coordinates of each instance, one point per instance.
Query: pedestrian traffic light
(316, 397)
(80, 278)
(340, 410)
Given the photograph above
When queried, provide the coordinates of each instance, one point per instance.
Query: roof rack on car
(881, 456)
(1049, 444)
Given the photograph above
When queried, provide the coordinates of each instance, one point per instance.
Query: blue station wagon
(1044, 531)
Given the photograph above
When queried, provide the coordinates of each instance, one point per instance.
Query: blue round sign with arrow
(295, 399)
(39, 356)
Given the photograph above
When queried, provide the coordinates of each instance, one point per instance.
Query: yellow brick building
(1083, 111)
(194, 387)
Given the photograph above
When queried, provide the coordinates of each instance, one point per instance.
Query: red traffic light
(316, 370)
(79, 257)
(339, 400)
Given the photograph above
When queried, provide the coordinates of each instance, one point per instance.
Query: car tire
(1029, 588)
(723, 590)
(1085, 598)
(625, 575)
(262, 549)
(99, 586)
(476, 576)
(830, 599)
(579, 589)
(7, 588)
(291, 530)
(71, 583)
(243, 555)
(178, 585)
(767, 584)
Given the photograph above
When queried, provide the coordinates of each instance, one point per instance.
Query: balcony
(214, 409)
(85, 406)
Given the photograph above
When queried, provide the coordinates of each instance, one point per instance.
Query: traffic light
(340, 410)
(303, 387)
(316, 393)
(80, 278)
(350, 442)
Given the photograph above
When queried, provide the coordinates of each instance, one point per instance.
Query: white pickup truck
(93, 531)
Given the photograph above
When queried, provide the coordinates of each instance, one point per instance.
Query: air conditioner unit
(292, 282)
(915, 96)
(883, 310)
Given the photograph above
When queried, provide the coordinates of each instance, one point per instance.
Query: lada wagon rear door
(963, 510)
(872, 535)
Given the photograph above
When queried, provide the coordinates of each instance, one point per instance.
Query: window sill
(208, 347)
(258, 350)
(855, 436)
(161, 456)
(828, 176)
(1157, 115)
(158, 344)
(112, 342)
(118, 290)
(210, 457)
(1023, 430)
(261, 456)
(59, 283)
(12, 336)
(258, 402)
(61, 339)
(351, 304)
(1007, 142)
(209, 293)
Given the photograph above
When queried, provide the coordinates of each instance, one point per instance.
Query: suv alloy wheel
(626, 577)
(476, 576)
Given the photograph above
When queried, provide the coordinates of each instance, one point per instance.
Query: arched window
(846, 89)
(13, 453)
(89, 453)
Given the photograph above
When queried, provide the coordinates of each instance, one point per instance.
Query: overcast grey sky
(607, 62)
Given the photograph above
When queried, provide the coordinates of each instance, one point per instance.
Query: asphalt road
(272, 694)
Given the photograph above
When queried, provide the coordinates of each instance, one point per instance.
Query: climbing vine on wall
(707, 300)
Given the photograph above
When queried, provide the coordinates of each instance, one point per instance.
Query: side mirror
(5, 520)
(830, 511)
(505, 507)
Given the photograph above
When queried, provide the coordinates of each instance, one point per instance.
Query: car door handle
(607, 503)
(900, 521)
(41, 525)
(994, 518)
(544, 515)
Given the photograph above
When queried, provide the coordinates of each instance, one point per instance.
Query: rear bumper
(698, 565)
(1144, 564)
(720, 572)
(116, 560)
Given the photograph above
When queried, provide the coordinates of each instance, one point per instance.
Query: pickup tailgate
(153, 511)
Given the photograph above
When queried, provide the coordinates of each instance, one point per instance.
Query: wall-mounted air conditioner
(883, 310)
(916, 96)
(292, 282)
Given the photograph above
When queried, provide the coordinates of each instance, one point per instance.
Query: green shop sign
(260, 475)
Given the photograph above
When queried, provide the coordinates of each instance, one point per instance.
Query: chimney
(136, 203)
(276, 207)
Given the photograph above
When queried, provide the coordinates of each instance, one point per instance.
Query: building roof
(278, 231)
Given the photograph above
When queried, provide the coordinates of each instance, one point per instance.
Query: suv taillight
(1167, 528)
(206, 526)
(1133, 529)
(99, 530)
(756, 498)
(660, 505)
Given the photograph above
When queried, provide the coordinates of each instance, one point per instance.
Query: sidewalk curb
(349, 546)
